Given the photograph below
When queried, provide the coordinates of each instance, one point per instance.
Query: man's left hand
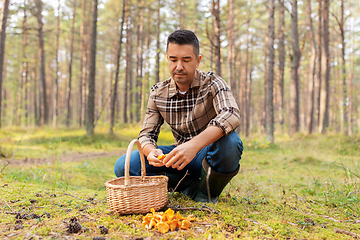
(180, 156)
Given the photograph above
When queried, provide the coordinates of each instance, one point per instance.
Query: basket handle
(127, 161)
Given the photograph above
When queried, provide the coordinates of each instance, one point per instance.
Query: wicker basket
(136, 194)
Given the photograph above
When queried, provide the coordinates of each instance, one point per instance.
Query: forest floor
(305, 187)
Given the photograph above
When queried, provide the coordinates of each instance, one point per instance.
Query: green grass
(303, 187)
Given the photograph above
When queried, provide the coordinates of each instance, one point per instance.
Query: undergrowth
(306, 187)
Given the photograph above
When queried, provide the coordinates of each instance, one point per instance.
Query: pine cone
(104, 230)
(74, 226)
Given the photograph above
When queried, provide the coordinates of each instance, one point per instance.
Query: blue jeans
(223, 156)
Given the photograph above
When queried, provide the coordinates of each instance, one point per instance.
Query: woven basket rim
(122, 186)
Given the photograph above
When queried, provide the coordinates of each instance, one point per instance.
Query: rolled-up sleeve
(152, 124)
(227, 111)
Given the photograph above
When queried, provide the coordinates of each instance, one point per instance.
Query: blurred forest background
(293, 66)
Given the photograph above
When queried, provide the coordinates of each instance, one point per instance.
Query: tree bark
(127, 84)
(230, 36)
(25, 65)
(246, 100)
(139, 62)
(312, 73)
(116, 82)
(270, 85)
(325, 91)
(83, 62)
(294, 82)
(318, 74)
(344, 100)
(281, 32)
(217, 42)
(2, 45)
(56, 83)
(157, 66)
(92, 73)
(68, 116)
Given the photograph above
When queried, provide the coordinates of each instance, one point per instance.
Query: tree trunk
(92, 73)
(2, 45)
(139, 62)
(344, 100)
(157, 66)
(325, 91)
(128, 67)
(264, 107)
(145, 85)
(294, 84)
(312, 73)
(118, 58)
(25, 67)
(318, 74)
(281, 32)
(68, 116)
(230, 36)
(83, 57)
(42, 76)
(246, 100)
(217, 42)
(56, 83)
(270, 85)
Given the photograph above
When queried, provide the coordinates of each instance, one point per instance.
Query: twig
(172, 193)
(7, 204)
(8, 162)
(190, 208)
(257, 223)
(212, 209)
(354, 235)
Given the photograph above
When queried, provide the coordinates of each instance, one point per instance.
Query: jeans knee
(120, 166)
(232, 145)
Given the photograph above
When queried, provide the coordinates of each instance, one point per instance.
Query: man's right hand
(153, 158)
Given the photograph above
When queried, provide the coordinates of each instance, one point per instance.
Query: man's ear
(198, 61)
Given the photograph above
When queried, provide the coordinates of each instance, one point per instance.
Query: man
(202, 114)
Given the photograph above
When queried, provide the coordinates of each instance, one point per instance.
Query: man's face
(182, 63)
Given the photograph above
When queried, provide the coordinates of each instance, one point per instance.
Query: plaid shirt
(208, 101)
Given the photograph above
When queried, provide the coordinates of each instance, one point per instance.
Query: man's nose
(179, 66)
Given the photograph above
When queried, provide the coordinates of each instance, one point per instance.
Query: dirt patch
(72, 157)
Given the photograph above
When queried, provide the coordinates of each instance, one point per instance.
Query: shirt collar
(195, 83)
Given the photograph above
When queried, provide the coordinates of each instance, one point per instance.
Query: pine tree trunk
(82, 63)
(294, 84)
(56, 83)
(25, 67)
(325, 91)
(246, 102)
(157, 66)
(2, 45)
(318, 74)
(92, 73)
(68, 116)
(312, 73)
(230, 36)
(116, 82)
(139, 61)
(270, 85)
(217, 42)
(344, 100)
(281, 32)
(128, 68)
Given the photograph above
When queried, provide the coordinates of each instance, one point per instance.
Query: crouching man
(202, 113)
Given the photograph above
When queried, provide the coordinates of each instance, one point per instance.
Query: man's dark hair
(183, 37)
